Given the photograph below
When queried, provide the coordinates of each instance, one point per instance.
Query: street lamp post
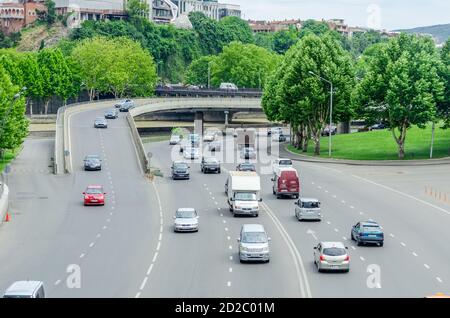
(331, 110)
(209, 74)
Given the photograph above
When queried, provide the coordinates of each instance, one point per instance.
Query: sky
(377, 14)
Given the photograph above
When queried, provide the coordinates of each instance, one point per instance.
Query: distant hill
(440, 32)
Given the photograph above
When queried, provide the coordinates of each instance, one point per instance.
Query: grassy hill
(31, 37)
(440, 32)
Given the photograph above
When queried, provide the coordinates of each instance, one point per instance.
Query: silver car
(308, 209)
(100, 122)
(331, 256)
(25, 289)
(253, 243)
(186, 220)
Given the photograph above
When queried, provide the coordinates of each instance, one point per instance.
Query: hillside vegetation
(32, 37)
(440, 32)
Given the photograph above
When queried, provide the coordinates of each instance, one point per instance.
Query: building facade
(16, 15)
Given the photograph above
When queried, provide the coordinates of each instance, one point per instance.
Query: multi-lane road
(128, 248)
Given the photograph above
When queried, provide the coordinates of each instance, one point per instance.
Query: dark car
(180, 170)
(100, 122)
(215, 146)
(248, 153)
(367, 233)
(246, 166)
(92, 163)
(281, 138)
(210, 164)
(124, 103)
(111, 114)
(378, 126)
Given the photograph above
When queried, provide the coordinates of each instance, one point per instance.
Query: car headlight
(243, 249)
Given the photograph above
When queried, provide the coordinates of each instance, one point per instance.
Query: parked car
(94, 195)
(180, 170)
(111, 114)
(331, 256)
(274, 130)
(215, 146)
(185, 220)
(248, 153)
(100, 122)
(326, 131)
(367, 233)
(286, 182)
(174, 140)
(228, 87)
(92, 162)
(25, 289)
(246, 166)
(210, 164)
(209, 137)
(253, 243)
(127, 103)
(308, 209)
(378, 126)
(191, 153)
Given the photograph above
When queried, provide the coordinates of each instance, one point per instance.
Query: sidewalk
(285, 153)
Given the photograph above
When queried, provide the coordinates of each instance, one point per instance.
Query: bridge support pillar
(198, 123)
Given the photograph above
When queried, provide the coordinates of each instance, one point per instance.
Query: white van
(25, 289)
(253, 243)
(228, 86)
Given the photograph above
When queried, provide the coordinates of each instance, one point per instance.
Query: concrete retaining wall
(4, 203)
(142, 155)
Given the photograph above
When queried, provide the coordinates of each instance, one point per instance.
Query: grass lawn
(8, 157)
(155, 138)
(380, 145)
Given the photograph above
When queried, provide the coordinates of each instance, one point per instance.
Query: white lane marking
(415, 254)
(91, 245)
(312, 183)
(218, 209)
(352, 207)
(439, 279)
(354, 248)
(104, 227)
(361, 213)
(111, 213)
(229, 284)
(362, 258)
(112, 208)
(158, 246)
(98, 235)
(392, 235)
(224, 221)
(150, 269)
(319, 187)
(230, 270)
(336, 230)
(210, 193)
(426, 266)
(328, 222)
(108, 220)
(216, 203)
(138, 295)
(213, 198)
(144, 282)
(344, 238)
(343, 202)
(57, 282)
(226, 229)
(160, 229)
(402, 244)
(160, 237)
(230, 247)
(221, 214)
(403, 194)
(231, 258)
(228, 238)
(154, 257)
(298, 261)
(334, 196)
(82, 255)
(326, 191)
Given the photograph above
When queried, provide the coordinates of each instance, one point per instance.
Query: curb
(368, 163)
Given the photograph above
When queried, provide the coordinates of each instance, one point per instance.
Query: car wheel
(256, 215)
(268, 261)
(381, 244)
(278, 196)
(318, 268)
(219, 171)
(359, 243)
(351, 236)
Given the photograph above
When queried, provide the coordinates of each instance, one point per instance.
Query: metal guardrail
(185, 92)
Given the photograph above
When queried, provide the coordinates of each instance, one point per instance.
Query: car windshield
(94, 191)
(186, 214)
(334, 251)
(371, 228)
(180, 166)
(211, 160)
(242, 196)
(254, 237)
(100, 119)
(311, 205)
(247, 167)
(285, 163)
(92, 157)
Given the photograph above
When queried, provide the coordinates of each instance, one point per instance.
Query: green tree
(235, 29)
(264, 40)
(208, 33)
(32, 78)
(197, 73)
(303, 99)
(13, 123)
(10, 60)
(137, 9)
(283, 40)
(48, 16)
(402, 86)
(444, 105)
(245, 65)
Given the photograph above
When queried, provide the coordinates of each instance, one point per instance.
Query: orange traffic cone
(7, 218)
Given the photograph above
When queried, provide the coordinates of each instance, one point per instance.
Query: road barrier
(4, 203)
(137, 141)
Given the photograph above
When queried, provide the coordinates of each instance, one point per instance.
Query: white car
(175, 140)
(186, 220)
(331, 256)
(281, 163)
(209, 137)
(191, 153)
(274, 130)
(308, 209)
(253, 243)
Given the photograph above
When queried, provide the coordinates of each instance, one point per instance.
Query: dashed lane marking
(149, 269)
(426, 266)
(144, 282)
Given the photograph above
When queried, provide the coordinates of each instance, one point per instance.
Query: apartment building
(16, 15)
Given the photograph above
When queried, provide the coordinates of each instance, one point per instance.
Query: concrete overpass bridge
(201, 107)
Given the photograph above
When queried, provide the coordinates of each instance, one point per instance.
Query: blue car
(367, 233)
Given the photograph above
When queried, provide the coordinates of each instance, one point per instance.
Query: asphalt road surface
(128, 248)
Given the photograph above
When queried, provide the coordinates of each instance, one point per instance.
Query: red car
(94, 195)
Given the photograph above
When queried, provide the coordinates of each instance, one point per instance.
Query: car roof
(24, 287)
(95, 186)
(185, 210)
(369, 223)
(332, 244)
(246, 164)
(253, 228)
(279, 159)
(308, 200)
(179, 161)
